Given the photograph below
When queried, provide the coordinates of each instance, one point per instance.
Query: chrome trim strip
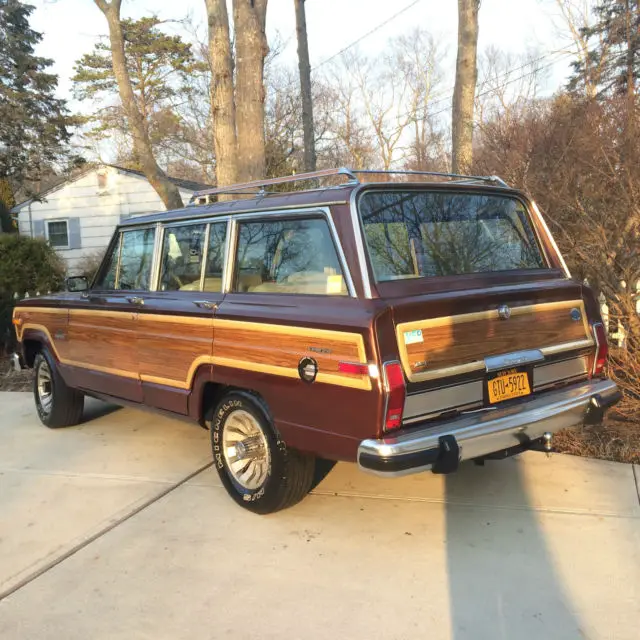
(158, 241)
(419, 406)
(514, 359)
(205, 255)
(229, 254)
(227, 211)
(357, 232)
(567, 346)
(558, 371)
(482, 433)
(322, 211)
(479, 365)
(544, 225)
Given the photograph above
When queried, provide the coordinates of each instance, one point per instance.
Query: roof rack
(258, 186)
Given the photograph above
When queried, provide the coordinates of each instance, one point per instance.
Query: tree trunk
(465, 88)
(249, 17)
(305, 87)
(143, 150)
(223, 110)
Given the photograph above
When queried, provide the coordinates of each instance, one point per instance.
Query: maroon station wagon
(405, 325)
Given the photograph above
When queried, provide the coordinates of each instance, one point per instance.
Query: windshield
(412, 234)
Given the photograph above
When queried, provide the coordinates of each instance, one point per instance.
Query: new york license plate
(507, 385)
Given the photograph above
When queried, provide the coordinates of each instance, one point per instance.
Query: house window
(58, 234)
(102, 181)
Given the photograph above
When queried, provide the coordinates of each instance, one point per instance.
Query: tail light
(602, 349)
(396, 392)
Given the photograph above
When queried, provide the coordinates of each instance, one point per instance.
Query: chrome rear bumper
(441, 445)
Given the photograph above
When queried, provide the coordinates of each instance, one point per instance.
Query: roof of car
(276, 202)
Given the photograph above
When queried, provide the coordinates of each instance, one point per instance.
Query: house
(78, 216)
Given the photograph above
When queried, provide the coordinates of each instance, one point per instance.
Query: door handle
(206, 304)
(136, 300)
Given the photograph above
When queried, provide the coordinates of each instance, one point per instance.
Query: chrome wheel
(44, 387)
(245, 450)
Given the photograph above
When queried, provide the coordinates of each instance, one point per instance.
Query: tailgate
(540, 336)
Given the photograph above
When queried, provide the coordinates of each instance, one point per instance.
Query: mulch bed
(11, 380)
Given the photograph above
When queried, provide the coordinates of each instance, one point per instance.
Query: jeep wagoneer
(406, 325)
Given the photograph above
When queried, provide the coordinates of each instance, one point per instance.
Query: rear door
(175, 322)
(481, 312)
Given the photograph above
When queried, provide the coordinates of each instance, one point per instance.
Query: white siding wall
(98, 210)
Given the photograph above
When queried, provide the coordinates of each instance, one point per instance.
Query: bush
(26, 266)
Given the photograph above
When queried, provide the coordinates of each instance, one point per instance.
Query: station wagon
(404, 321)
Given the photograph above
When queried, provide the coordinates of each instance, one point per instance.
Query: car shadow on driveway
(503, 580)
(94, 409)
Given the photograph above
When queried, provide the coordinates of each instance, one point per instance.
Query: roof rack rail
(458, 177)
(206, 195)
(261, 184)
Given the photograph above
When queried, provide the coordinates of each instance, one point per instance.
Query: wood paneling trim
(450, 354)
(69, 361)
(275, 355)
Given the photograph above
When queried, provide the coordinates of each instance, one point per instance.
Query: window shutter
(38, 228)
(75, 239)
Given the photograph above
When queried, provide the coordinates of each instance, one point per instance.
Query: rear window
(413, 234)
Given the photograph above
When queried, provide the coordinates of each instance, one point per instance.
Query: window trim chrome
(314, 211)
(529, 206)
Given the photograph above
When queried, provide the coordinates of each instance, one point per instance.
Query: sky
(71, 27)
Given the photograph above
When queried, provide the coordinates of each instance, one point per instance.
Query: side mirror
(76, 283)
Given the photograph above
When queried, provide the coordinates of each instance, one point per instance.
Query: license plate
(507, 385)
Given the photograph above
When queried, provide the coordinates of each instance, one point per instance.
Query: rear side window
(288, 256)
(414, 234)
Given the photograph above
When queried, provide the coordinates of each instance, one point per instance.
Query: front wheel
(255, 466)
(57, 404)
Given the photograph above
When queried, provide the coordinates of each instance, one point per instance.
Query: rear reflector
(396, 391)
(354, 367)
(602, 349)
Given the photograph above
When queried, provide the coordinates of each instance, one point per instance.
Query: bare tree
(249, 18)
(465, 87)
(223, 109)
(305, 87)
(578, 19)
(143, 150)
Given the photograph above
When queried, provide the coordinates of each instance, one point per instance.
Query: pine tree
(158, 65)
(33, 121)
(613, 63)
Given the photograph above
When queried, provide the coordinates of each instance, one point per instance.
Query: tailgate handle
(515, 359)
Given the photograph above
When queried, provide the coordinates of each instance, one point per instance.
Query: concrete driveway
(118, 528)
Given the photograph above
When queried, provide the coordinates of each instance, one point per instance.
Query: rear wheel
(255, 466)
(57, 404)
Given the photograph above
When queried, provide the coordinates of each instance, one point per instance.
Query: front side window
(58, 234)
(182, 255)
(414, 234)
(107, 275)
(136, 257)
(288, 256)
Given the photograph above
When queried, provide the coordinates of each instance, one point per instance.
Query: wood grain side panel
(51, 322)
(169, 345)
(104, 341)
(459, 341)
(167, 350)
(278, 349)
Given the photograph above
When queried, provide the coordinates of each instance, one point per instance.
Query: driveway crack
(116, 523)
